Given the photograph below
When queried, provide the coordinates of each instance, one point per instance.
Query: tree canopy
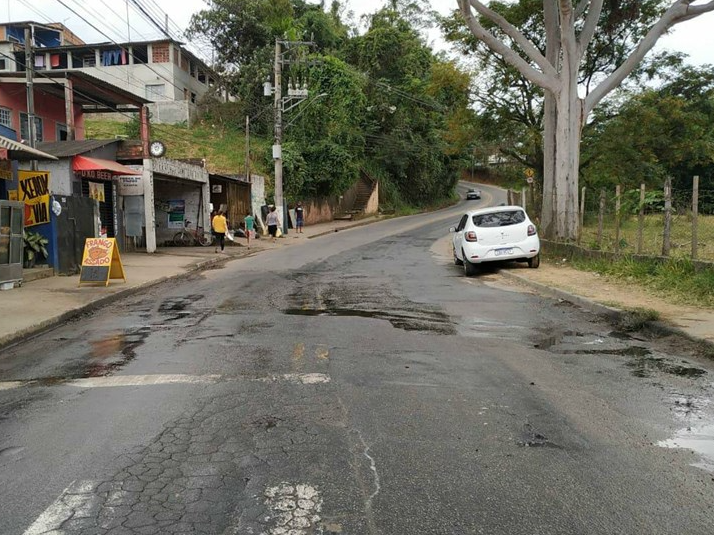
(392, 108)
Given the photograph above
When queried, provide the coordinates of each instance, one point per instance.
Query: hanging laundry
(123, 57)
(40, 61)
(54, 60)
(116, 57)
(106, 59)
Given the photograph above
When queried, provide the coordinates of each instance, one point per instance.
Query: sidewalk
(44, 303)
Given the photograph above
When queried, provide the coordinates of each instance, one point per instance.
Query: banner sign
(177, 211)
(35, 193)
(96, 191)
(5, 170)
(101, 262)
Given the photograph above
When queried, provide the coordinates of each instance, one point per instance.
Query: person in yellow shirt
(220, 227)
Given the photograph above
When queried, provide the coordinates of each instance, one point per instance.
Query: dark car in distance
(473, 194)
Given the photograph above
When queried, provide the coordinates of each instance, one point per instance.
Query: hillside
(222, 147)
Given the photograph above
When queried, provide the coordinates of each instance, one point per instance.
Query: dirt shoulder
(612, 292)
(697, 322)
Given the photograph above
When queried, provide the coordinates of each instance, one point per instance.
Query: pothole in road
(531, 438)
(433, 322)
(647, 365)
(176, 307)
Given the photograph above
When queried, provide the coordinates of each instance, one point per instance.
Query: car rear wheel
(469, 268)
(534, 262)
(457, 262)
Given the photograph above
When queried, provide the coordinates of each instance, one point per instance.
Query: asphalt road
(359, 384)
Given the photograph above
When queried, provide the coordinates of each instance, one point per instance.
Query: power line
(117, 44)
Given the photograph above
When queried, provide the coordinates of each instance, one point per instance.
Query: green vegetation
(391, 107)
(223, 146)
(677, 280)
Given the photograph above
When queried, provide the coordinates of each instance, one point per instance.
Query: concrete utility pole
(277, 147)
(29, 77)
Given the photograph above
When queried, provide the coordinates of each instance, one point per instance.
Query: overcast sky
(695, 37)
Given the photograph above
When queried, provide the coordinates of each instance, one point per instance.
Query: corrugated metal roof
(15, 147)
(65, 149)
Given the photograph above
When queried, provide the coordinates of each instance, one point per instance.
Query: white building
(162, 71)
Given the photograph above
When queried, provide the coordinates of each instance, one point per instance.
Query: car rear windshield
(500, 219)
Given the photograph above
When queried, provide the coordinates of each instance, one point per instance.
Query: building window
(156, 92)
(3, 65)
(6, 117)
(62, 132)
(24, 132)
(89, 61)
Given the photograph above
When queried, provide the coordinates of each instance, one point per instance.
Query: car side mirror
(452, 229)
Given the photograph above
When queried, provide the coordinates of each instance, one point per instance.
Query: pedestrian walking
(273, 221)
(299, 217)
(249, 226)
(220, 227)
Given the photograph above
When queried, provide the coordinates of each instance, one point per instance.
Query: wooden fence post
(618, 189)
(601, 218)
(695, 217)
(667, 234)
(641, 221)
(582, 214)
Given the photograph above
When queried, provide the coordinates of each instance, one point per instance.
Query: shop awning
(19, 151)
(83, 163)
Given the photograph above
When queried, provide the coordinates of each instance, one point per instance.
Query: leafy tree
(572, 43)
(654, 134)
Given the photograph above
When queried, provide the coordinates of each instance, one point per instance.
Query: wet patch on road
(176, 308)
(697, 439)
(646, 366)
(431, 322)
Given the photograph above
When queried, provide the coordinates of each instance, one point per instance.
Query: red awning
(82, 163)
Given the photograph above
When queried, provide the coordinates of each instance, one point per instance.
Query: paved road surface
(359, 385)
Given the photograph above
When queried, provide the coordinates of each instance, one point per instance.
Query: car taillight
(470, 236)
(531, 230)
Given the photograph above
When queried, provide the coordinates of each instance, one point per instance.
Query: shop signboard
(130, 185)
(5, 170)
(177, 213)
(101, 262)
(34, 189)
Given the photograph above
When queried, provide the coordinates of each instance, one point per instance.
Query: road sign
(529, 179)
(530, 173)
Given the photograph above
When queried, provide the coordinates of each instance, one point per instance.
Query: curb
(49, 324)
(340, 229)
(612, 313)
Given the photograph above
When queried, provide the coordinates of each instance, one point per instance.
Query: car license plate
(503, 252)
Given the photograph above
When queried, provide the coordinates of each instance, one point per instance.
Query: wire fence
(670, 222)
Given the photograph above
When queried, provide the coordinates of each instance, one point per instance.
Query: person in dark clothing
(299, 217)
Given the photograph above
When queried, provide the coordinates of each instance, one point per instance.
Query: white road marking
(10, 385)
(114, 381)
(294, 509)
(300, 378)
(142, 380)
(74, 502)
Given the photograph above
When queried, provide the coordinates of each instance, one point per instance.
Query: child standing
(249, 226)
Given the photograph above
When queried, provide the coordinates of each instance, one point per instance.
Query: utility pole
(277, 147)
(247, 158)
(29, 77)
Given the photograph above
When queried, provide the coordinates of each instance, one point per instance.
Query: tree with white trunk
(570, 26)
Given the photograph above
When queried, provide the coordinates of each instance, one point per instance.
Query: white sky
(695, 37)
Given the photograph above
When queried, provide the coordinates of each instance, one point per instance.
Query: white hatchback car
(495, 234)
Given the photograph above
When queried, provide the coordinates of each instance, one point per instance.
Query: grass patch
(634, 319)
(221, 146)
(676, 279)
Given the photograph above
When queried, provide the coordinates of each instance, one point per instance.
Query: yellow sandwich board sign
(101, 262)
